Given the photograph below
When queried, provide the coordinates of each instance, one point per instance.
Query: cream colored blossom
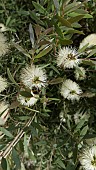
(80, 73)
(2, 28)
(90, 40)
(88, 158)
(70, 90)
(33, 76)
(27, 101)
(68, 58)
(3, 84)
(3, 45)
(4, 112)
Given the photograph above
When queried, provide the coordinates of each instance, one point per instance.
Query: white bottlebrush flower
(3, 45)
(2, 28)
(68, 58)
(90, 40)
(80, 73)
(88, 158)
(27, 101)
(33, 76)
(4, 112)
(70, 90)
(3, 84)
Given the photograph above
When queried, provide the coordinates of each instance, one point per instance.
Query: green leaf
(41, 143)
(8, 20)
(65, 41)
(32, 157)
(22, 166)
(6, 132)
(88, 16)
(75, 153)
(24, 117)
(72, 7)
(44, 52)
(76, 25)
(58, 30)
(92, 53)
(45, 114)
(70, 166)
(23, 12)
(16, 159)
(79, 125)
(8, 165)
(64, 22)
(89, 62)
(26, 154)
(36, 125)
(75, 19)
(22, 50)
(25, 94)
(56, 80)
(54, 68)
(60, 163)
(84, 131)
(50, 99)
(4, 164)
(71, 30)
(11, 77)
(80, 50)
(79, 71)
(35, 18)
(32, 38)
(56, 4)
(39, 8)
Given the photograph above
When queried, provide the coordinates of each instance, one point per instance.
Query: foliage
(37, 137)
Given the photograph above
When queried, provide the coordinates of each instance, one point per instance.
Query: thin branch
(10, 146)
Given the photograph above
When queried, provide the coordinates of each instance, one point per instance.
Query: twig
(10, 146)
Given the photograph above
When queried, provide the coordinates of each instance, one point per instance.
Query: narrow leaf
(72, 7)
(56, 81)
(58, 30)
(40, 8)
(44, 52)
(11, 77)
(75, 19)
(64, 22)
(74, 31)
(92, 53)
(83, 131)
(4, 164)
(31, 31)
(60, 163)
(56, 4)
(35, 18)
(16, 159)
(26, 154)
(25, 94)
(79, 126)
(22, 50)
(80, 50)
(6, 132)
(65, 41)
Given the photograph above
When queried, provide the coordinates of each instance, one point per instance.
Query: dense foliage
(51, 132)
